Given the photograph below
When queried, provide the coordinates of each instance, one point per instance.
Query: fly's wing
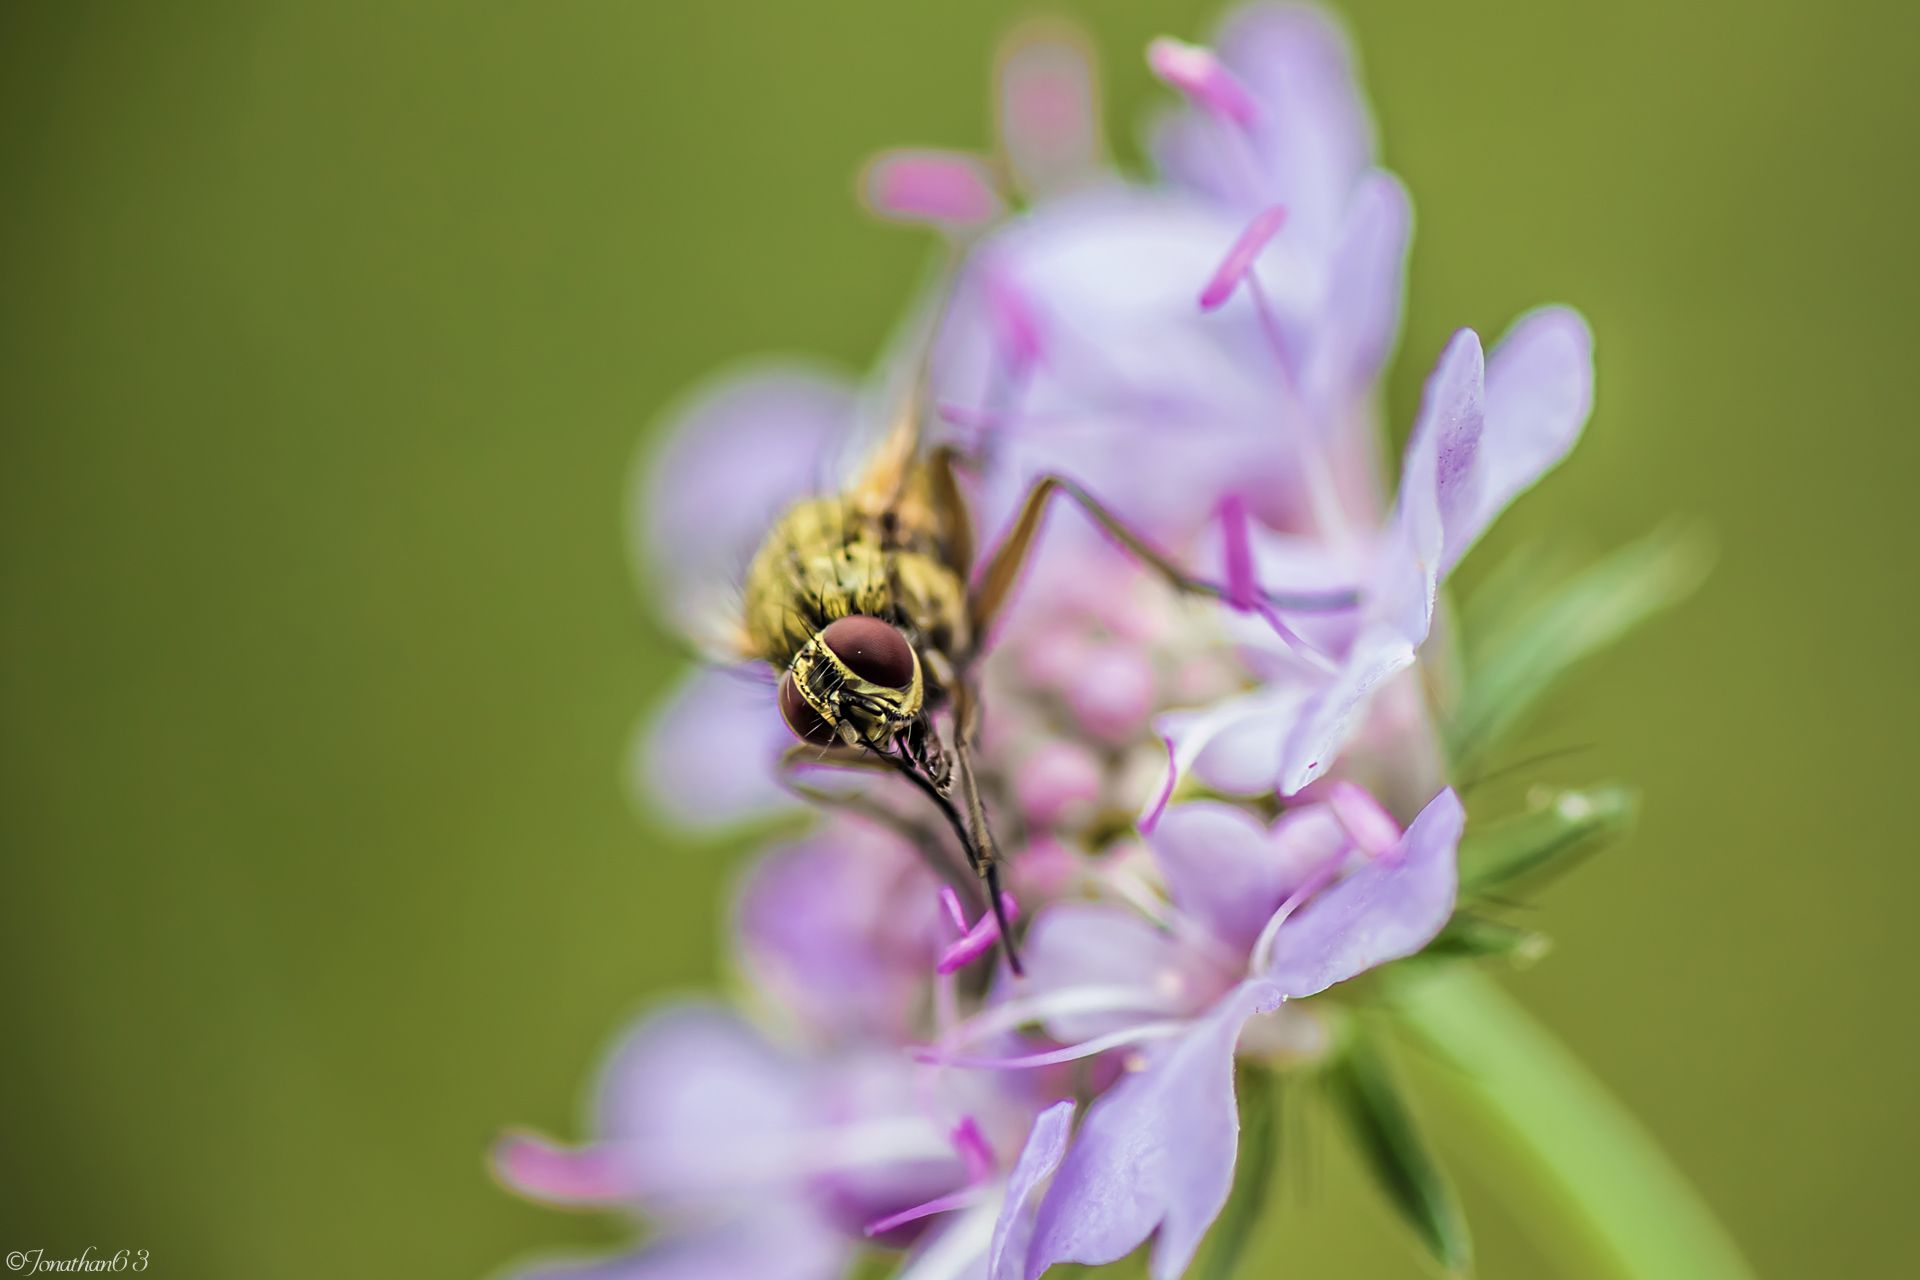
(917, 488)
(887, 477)
(886, 449)
(911, 480)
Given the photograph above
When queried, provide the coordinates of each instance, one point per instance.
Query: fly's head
(858, 684)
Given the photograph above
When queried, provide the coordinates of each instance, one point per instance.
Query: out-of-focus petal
(946, 188)
(1156, 408)
(708, 756)
(1366, 279)
(874, 1146)
(1389, 908)
(1049, 107)
(1539, 393)
(1156, 1152)
(1228, 869)
(705, 1116)
(773, 1244)
(736, 452)
(1312, 138)
(838, 932)
(957, 1251)
(694, 1098)
(1013, 1230)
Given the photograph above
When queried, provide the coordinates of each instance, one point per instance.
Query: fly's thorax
(858, 682)
(822, 561)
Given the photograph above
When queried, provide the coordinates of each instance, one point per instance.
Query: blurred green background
(327, 335)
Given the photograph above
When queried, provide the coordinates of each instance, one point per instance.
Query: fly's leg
(921, 745)
(795, 760)
(975, 838)
(1002, 571)
(986, 858)
(950, 509)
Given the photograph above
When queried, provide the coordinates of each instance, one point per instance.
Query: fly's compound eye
(801, 717)
(873, 650)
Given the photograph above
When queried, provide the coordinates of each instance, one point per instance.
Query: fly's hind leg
(1002, 572)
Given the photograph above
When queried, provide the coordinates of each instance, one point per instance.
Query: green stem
(1553, 1129)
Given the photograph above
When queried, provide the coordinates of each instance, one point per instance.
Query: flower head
(1214, 772)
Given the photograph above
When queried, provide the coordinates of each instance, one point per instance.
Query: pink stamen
(939, 1204)
(934, 1055)
(1365, 820)
(974, 941)
(547, 1171)
(1322, 876)
(941, 187)
(955, 912)
(975, 1154)
(1048, 112)
(1199, 73)
(1238, 264)
(1151, 818)
(1242, 591)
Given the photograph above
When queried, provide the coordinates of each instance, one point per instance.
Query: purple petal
(1156, 1151)
(1229, 870)
(1234, 745)
(1438, 493)
(1366, 279)
(1329, 718)
(1388, 909)
(1085, 946)
(838, 931)
(1157, 408)
(1013, 1231)
(957, 1251)
(692, 1097)
(1314, 134)
(700, 511)
(1439, 490)
(1312, 138)
(772, 1244)
(1539, 393)
(709, 755)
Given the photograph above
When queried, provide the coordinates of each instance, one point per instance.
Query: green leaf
(1363, 1090)
(1258, 1093)
(1582, 1176)
(1514, 665)
(1473, 937)
(1549, 839)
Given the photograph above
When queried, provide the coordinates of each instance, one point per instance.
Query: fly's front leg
(986, 855)
(1002, 572)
